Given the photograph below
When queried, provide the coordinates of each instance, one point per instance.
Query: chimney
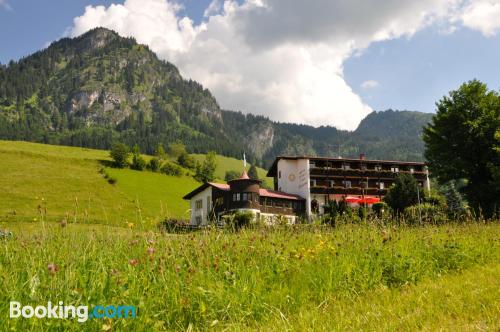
(362, 156)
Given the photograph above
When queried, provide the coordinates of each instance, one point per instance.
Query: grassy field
(354, 277)
(56, 182)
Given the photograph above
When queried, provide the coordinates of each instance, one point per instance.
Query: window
(279, 174)
(378, 167)
(381, 185)
(332, 183)
(294, 205)
(236, 197)
(209, 200)
(395, 169)
(364, 184)
(313, 183)
(244, 197)
(412, 169)
(198, 204)
(312, 164)
(198, 220)
(347, 184)
(347, 166)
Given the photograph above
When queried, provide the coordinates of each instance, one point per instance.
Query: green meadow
(58, 182)
(353, 277)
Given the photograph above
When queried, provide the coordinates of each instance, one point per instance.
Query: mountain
(99, 88)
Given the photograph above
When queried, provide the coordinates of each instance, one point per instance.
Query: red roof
(244, 175)
(277, 194)
(221, 186)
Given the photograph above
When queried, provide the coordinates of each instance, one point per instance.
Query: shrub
(171, 169)
(238, 220)
(231, 175)
(403, 193)
(112, 180)
(154, 164)
(120, 154)
(429, 213)
(380, 208)
(187, 161)
(138, 163)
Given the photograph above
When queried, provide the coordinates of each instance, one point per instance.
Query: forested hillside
(101, 88)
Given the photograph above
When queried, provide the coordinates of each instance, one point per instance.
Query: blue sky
(404, 71)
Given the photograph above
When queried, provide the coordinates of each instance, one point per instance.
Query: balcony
(360, 173)
(324, 190)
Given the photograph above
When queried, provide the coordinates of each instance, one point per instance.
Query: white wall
(203, 212)
(295, 179)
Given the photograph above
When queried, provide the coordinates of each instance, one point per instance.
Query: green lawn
(225, 164)
(306, 278)
(55, 182)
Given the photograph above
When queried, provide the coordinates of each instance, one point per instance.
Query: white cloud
(370, 84)
(482, 15)
(283, 59)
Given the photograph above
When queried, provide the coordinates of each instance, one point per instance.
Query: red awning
(353, 199)
(359, 200)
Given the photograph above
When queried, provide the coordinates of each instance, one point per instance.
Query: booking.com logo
(61, 311)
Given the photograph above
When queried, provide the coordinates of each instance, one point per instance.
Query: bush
(120, 153)
(171, 169)
(112, 180)
(238, 220)
(154, 164)
(185, 160)
(429, 213)
(138, 163)
(231, 175)
(380, 208)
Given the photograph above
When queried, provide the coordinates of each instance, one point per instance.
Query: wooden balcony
(360, 173)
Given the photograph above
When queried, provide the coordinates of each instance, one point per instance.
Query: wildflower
(134, 242)
(52, 268)
(151, 241)
(133, 262)
(177, 268)
(151, 250)
(130, 225)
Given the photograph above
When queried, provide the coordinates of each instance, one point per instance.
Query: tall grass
(217, 279)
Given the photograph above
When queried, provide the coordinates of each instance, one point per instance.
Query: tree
(206, 171)
(252, 172)
(176, 149)
(185, 160)
(120, 153)
(138, 163)
(461, 143)
(160, 152)
(231, 175)
(403, 193)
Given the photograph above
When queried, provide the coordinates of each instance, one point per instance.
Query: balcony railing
(324, 171)
(347, 191)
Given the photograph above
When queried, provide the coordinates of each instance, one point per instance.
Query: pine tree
(252, 172)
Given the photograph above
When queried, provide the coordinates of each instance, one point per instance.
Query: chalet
(302, 187)
(211, 201)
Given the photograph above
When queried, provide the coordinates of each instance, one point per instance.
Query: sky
(319, 62)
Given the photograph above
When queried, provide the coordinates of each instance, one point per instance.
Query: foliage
(138, 162)
(425, 213)
(154, 164)
(252, 172)
(380, 209)
(175, 150)
(206, 172)
(238, 220)
(187, 161)
(455, 203)
(231, 175)
(160, 152)
(120, 154)
(403, 193)
(170, 168)
(460, 143)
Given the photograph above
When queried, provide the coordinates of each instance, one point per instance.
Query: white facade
(201, 205)
(293, 178)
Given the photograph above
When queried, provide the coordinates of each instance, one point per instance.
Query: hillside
(101, 88)
(69, 180)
